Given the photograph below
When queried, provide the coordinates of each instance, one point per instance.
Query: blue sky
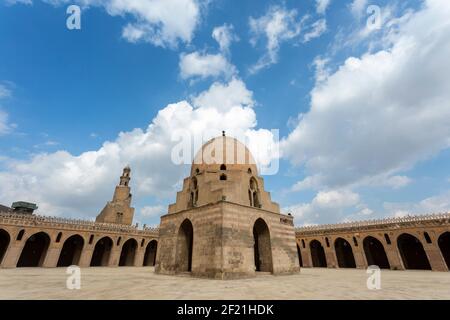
(362, 112)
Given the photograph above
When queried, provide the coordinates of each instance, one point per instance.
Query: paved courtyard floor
(143, 283)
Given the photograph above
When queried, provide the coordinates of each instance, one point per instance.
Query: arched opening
(20, 235)
(444, 245)
(318, 254)
(71, 251)
(223, 177)
(193, 192)
(102, 251)
(427, 237)
(34, 251)
(185, 243)
(254, 193)
(150, 253)
(128, 253)
(223, 167)
(344, 253)
(300, 261)
(4, 243)
(375, 253)
(412, 252)
(262, 246)
(58, 238)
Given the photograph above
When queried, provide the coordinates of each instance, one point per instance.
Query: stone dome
(224, 153)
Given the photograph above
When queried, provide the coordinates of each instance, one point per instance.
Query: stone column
(435, 257)
(12, 254)
(360, 257)
(86, 256)
(330, 255)
(306, 257)
(393, 255)
(52, 255)
(114, 256)
(139, 257)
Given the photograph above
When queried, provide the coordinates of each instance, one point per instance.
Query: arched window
(223, 177)
(194, 192)
(249, 171)
(118, 241)
(303, 244)
(197, 171)
(355, 241)
(427, 237)
(327, 242)
(388, 240)
(254, 193)
(58, 238)
(20, 235)
(142, 242)
(91, 239)
(223, 167)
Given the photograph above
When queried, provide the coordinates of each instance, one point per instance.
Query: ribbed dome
(223, 151)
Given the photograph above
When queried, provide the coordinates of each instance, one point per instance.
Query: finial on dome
(223, 133)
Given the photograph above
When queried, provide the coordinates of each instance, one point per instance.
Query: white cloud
(79, 185)
(379, 114)
(434, 204)
(358, 7)
(322, 5)
(224, 35)
(200, 65)
(276, 26)
(224, 97)
(5, 126)
(160, 22)
(326, 206)
(153, 211)
(317, 29)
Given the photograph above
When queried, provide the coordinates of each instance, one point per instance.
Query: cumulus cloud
(276, 26)
(224, 35)
(316, 30)
(329, 206)
(79, 185)
(197, 65)
(160, 22)
(380, 113)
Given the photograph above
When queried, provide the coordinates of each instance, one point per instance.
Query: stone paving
(143, 283)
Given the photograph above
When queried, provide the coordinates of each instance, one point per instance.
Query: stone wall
(426, 230)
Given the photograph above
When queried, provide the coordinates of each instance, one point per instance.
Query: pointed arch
(185, 243)
(128, 253)
(344, 253)
(71, 251)
(444, 246)
(102, 252)
(262, 246)
(35, 250)
(318, 254)
(375, 253)
(5, 239)
(412, 252)
(150, 253)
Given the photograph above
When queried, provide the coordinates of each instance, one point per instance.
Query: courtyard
(143, 283)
